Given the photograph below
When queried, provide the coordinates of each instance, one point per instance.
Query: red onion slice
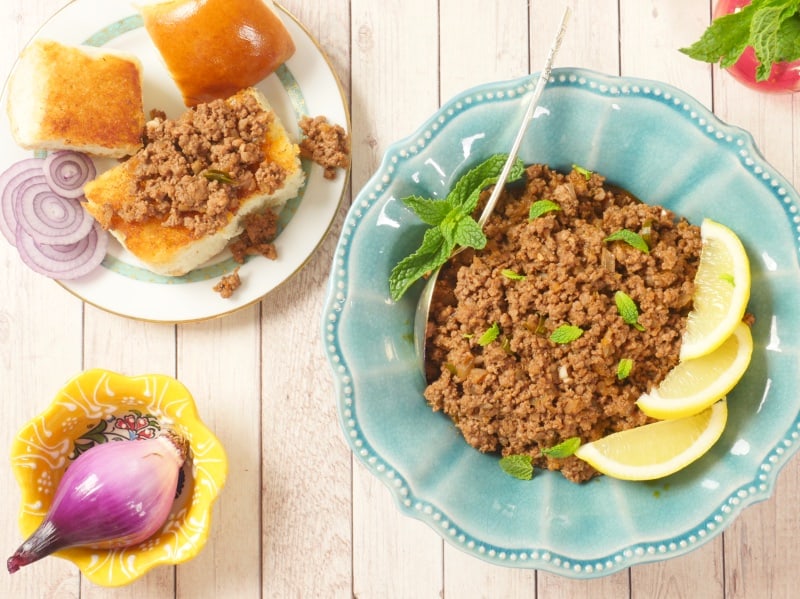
(10, 181)
(65, 261)
(49, 218)
(67, 172)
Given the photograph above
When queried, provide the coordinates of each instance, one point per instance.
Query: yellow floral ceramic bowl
(98, 406)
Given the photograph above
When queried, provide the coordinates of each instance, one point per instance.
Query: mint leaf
(624, 368)
(628, 310)
(771, 27)
(431, 255)
(431, 212)
(468, 233)
(542, 207)
(724, 40)
(518, 466)
(566, 333)
(489, 335)
(587, 174)
(510, 274)
(767, 35)
(468, 188)
(564, 449)
(632, 239)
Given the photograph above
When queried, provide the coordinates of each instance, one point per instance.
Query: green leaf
(628, 310)
(587, 174)
(518, 466)
(467, 190)
(542, 207)
(468, 233)
(564, 449)
(431, 255)
(510, 274)
(566, 333)
(724, 40)
(451, 221)
(431, 212)
(771, 27)
(728, 278)
(632, 239)
(489, 335)
(624, 368)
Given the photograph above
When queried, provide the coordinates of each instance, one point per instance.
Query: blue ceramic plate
(665, 147)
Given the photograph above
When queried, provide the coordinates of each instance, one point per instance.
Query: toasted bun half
(174, 250)
(214, 48)
(76, 98)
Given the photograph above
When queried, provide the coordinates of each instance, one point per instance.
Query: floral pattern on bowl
(100, 406)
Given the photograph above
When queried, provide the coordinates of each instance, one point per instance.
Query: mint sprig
(451, 223)
(771, 27)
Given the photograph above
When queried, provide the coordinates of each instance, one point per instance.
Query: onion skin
(116, 494)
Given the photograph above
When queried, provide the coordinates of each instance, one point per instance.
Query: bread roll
(175, 250)
(76, 98)
(214, 48)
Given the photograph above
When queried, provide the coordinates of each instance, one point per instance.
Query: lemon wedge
(693, 385)
(722, 290)
(659, 449)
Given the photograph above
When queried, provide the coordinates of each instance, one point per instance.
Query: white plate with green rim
(305, 85)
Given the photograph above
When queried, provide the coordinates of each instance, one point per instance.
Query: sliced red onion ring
(49, 218)
(64, 262)
(10, 181)
(68, 171)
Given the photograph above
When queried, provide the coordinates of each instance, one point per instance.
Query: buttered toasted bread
(139, 201)
(77, 98)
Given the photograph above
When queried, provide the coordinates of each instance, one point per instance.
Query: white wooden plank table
(299, 516)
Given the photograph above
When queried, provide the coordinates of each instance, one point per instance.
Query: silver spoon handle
(544, 77)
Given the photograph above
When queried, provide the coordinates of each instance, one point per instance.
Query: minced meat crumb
(193, 171)
(522, 392)
(259, 231)
(228, 284)
(326, 144)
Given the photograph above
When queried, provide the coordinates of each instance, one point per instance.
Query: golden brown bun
(206, 50)
(76, 97)
(173, 251)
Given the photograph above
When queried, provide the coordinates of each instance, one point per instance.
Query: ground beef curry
(492, 365)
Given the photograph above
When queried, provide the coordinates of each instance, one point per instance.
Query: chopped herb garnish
(489, 335)
(624, 368)
(213, 174)
(628, 310)
(510, 274)
(566, 333)
(728, 278)
(632, 239)
(451, 223)
(518, 466)
(542, 207)
(587, 174)
(564, 449)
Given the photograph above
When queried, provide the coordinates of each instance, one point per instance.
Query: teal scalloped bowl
(665, 147)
